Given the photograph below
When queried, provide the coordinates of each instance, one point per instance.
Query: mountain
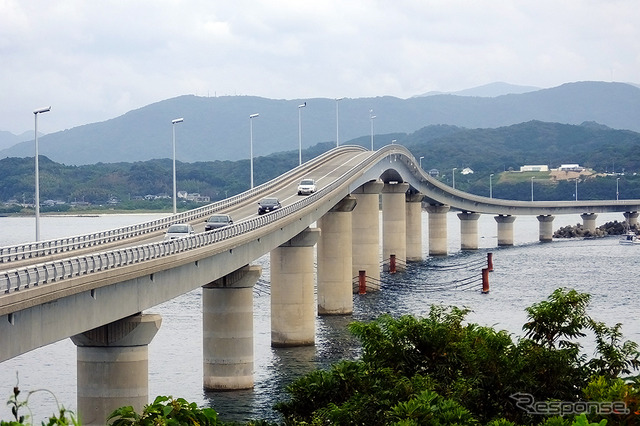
(8, 139)
(490, 90)
(218, 128)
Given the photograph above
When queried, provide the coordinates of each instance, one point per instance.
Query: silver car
(306, 187)
(178, 230)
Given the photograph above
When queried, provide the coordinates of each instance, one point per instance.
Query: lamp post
(175, 194)
(532, 178)
(576, 189)
(371, 118)
(421, 161)
(617, 193)
(491, 185)
(251, 117)
(453, 177)
(37, 195)
(300, 132)
(337, 122)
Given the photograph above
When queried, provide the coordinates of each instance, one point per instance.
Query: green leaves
(164, 411)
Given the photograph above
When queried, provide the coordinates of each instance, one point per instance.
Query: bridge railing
(37, 249)
(15, 280)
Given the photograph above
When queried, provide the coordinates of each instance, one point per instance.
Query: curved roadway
(88, 281)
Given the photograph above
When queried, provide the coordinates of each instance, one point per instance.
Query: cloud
(92, 61)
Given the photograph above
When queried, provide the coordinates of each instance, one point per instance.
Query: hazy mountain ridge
(218, 128)
(490, 90)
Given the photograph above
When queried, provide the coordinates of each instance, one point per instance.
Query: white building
(570, 168)
(534, 168)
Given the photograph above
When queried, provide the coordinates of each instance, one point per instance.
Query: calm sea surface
(523, 274)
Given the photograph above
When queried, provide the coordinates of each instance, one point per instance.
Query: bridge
(96, 288)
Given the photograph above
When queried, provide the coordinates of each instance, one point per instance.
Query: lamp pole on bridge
(371, 118)
(532, 178)
(617, 193)
(300, 132)
(37, 194)
(491, 185)
(175, 192)
(337, 122)
(453, 177)
(421, 161)
(576, 189)
(251, 117)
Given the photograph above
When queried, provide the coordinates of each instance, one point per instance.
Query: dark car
(267, 205)
(218, 221)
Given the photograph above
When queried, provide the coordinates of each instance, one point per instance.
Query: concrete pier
(394, 224)
(227, 330)
(546, 227)
(469, 230)
(414, 227)
(365, 220)
(505, 229)
(631, 218)
(113, 367)
(292, 297)
(589, 221)
(438, 229)
(335, 260)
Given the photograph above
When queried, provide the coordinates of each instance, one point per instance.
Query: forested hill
(218, 128)
(485, 151)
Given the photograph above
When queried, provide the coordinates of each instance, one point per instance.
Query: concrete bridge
(96, 288)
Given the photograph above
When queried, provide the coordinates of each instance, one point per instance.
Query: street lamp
(617, 193)
(37, 200)
(173, 123)
(421, 161)
(300, 132)
(532, 178)
(576, 189)
(491, 185)
(371, 117)
(453, 178)
(393, 141)
(251, 117)
(337, 122)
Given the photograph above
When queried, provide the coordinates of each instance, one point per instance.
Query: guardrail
(17, 279)
(34, 250)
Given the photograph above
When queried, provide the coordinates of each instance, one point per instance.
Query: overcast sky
(95, 60)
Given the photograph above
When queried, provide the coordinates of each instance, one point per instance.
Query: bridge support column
(546, 227)
(365, 224)
(292, 283)
(505, 229)
(589, 221)
(414, 227)
(438, 229)
(335, 290)
(113, 367)
(227, 325)
(394, 224)
(631, 218)
(469, 230)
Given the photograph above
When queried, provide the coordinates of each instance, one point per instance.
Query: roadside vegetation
(440, 370)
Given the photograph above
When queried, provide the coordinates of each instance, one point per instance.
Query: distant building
(534, 168)
(434, 173)
(466, 171)
(570, 168)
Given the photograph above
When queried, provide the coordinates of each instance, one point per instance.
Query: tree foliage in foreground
(439, 370)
